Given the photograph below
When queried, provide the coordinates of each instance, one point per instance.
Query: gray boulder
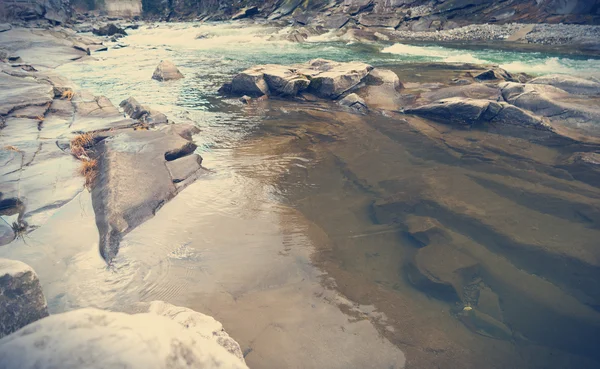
(134, 182)
(96, 339)
(166, 71)
(330, 79)
(110, 29)
(574, 85)
(21, 298)
(137, 111)
(468, 112)
(355, 102)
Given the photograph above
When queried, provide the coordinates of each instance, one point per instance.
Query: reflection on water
(325, 239)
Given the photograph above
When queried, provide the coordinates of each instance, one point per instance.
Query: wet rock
(250, 82)
(574, 85)
(110, 29)
(184, 168)
(21, 298)
(166, 71)
(380, 77)
(184, 130)
(472, 91)
(95, 339)
(133, 181)
(82, 47)
(355, 102)
(142, 113)
(245, 12)
(469, 112)
(329, 79)
(245, 99)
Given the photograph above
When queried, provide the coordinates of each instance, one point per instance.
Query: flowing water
(294, 239)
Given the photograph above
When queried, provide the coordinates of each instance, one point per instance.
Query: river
(284, 242)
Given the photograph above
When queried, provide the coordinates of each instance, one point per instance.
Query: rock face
(166, 71)
(95, 339)
(21, 298)
(134, 180)
(55, 11)
(324, 78)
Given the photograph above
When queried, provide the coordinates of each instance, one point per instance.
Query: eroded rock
(574, 85)
(96, 339)
(166, 71)
(21, 298)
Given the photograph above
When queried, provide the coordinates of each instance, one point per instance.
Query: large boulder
(134, 181)
(96, 339)
(166, 71)
(468, 112)
(21, 298)
(109, 29)
(269, 79)
(330, 79)
(574, 85)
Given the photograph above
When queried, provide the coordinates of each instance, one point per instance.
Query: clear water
(281, 243)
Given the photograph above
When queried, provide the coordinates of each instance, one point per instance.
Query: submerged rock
(166, 71)
(21, 298)
(95, 339)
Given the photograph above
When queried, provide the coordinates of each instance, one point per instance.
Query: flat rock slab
(16, 92)
(95, 339)
(134, 181)
(574, 85)
(21, 298)
(93, 113)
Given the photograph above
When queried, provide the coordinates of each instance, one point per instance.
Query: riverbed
(287, 239)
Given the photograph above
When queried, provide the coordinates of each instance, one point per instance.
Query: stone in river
(166, 71)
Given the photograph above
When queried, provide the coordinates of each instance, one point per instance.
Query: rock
(133, 181)
(485, 325)
(184, 130)
(166, 71)
(424, 230)
(329, 79)
(379, 20)
(16, 92)
(355, 102)
(250, 82)
(82, 47)
(21, 298)
(380, 77)
(469, 112)
(336, 21)
(142, 113)
(495, 74)
(5, 27)
(245, 99)
(574, 85)
(269, 79)
(184, 168)
(110, 29)
(226, 89)
(245, 12)
(203, 325)
(472, 91)
(95, 339)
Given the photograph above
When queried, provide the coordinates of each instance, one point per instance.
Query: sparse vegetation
(80, 146)
(89, 170)
(68, 94)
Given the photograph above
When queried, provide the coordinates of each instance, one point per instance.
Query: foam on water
(528, 62)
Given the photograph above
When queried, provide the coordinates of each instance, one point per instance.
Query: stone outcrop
(324, 78)
(166, 71)
(134, 180)
(574, 85)
(21, 298)
(166, 337)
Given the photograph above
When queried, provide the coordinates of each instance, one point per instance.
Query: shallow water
(296, 240)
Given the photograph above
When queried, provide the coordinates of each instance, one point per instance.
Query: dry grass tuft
(89, 170)
(68, 94)
(80, 144)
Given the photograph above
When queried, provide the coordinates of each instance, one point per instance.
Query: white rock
(96, 339)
